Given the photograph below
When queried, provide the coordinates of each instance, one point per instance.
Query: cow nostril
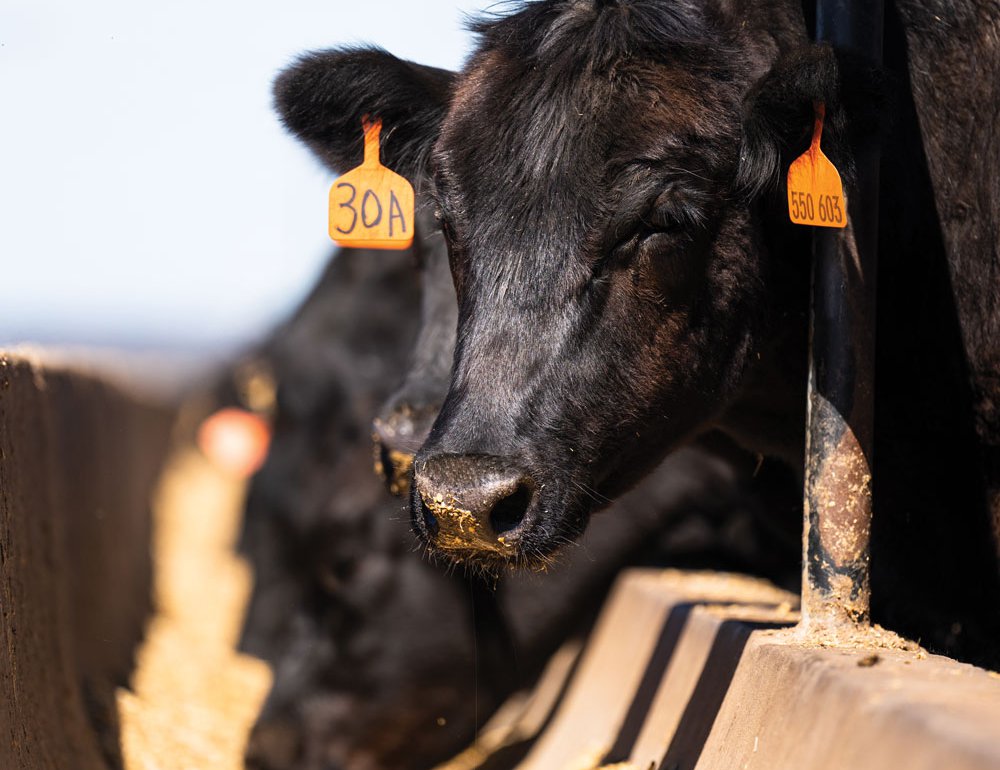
(393, 466)
(508, 513)
(430, 520)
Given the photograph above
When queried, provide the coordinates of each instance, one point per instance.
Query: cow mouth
(491, 564)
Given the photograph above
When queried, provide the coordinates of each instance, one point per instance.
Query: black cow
(362, 671)
(606, 175)
(406, 417)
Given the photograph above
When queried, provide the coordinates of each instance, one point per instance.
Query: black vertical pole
(838, 488)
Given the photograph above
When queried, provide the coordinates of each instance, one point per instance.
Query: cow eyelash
(647, 225)
(628, 239)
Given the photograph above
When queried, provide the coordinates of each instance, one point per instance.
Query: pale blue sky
(147, 192)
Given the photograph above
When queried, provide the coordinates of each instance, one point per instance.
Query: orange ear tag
(370, 206)
(815, 192)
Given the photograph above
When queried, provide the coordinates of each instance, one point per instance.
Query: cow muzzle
(471, 505)
(397, 436)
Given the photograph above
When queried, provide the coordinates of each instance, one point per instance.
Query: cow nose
(471, 502)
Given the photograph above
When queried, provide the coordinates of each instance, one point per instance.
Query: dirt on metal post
(838, 478)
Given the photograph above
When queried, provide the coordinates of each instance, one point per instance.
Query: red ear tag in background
(815, 192)
(370, 206)
(235, 440)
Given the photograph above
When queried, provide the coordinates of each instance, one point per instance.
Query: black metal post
(838, 486)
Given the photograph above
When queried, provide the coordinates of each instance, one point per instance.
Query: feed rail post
(839, 432)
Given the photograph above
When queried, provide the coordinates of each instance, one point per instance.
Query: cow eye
(335, 575)
(650, 225)
(656, 225)
(654, 229)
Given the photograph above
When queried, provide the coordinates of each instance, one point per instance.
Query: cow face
(600, 172)
(405, 419)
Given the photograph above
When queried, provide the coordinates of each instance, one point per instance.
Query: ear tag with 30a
(815, 192)
(371, 206)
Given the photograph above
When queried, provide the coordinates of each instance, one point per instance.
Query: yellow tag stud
(815, 192)
(371, 206)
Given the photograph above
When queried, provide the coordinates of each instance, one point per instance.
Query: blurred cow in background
(367, 674)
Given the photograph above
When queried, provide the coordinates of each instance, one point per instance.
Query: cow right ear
(779, 112)
(323, 97)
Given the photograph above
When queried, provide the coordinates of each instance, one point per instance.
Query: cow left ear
(779, 112)
(323, 97)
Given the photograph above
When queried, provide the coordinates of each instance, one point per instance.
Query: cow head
(308, 101)
(405, 420)
(604, 175)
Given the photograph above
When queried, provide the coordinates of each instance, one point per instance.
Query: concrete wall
(78, 459)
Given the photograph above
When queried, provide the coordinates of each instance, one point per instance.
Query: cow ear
(325, 94)
(779, 113)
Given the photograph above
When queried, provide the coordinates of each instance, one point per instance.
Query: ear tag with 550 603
(370, 206)
(815, 192)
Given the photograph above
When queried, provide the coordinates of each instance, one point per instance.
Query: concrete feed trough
(682, 670)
